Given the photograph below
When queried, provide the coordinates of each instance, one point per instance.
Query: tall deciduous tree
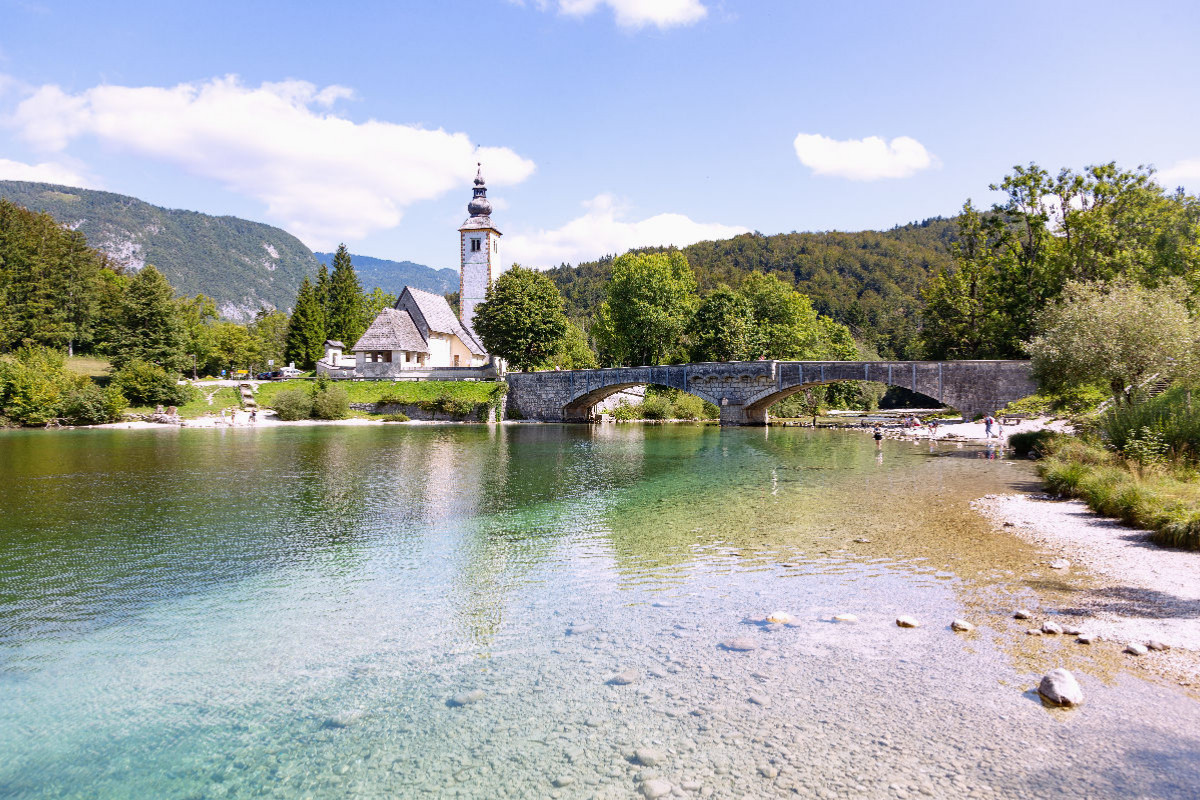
(305, 342)
(723, 328)
(521, 318)
(1118, 334)
(151, 328)
(649, 304)
(785, 324)
(344, 309)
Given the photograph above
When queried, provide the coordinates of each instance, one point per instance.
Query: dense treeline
(60, 298)
(869, 281)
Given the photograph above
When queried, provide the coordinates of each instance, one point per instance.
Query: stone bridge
(744, 390)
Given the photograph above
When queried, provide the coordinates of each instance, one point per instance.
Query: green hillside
(240, 264)
(869, 281)
(392, 276)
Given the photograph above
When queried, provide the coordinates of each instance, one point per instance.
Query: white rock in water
(1021, 613)
(907, 622)
(1086, 638)
(655, 787)
(1060, 563)
(1154, 644)
(845, 618)
(466, 698)
(624, 678)
(1070, 630)
(760, 699)
(1034, 632)
(1051, 627)
(741, 643)
(563, 780)
(780, 617)
(1135, 649)
(648, 756)
(1060, 687)
(961, 625)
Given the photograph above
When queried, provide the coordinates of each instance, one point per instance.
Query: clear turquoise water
(286, 612)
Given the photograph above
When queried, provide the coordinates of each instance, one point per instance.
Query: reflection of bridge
(744, 390)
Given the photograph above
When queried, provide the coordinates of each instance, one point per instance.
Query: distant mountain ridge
(243, 265)
(393, 276)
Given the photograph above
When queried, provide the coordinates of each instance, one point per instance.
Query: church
(421, 333)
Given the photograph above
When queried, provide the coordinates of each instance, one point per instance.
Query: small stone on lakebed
(1135, 649)
(845, 618)
(624, 678)
(1154, 644)
(582, 627)
(961, 626)
(655, 787)
(466, 698)
(648, 756)
(563, 780)
(1021, 613)
(780, 617)
(740, 644)
(760, 699)
(1060, 563)
(1060, 688)
(907, 622)
(1051, 628)
(1086, 638)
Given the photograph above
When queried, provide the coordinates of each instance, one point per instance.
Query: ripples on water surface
(285, 612)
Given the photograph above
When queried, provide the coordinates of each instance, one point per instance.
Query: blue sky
(603, 124)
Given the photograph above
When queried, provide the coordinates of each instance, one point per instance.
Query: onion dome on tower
(479, 205)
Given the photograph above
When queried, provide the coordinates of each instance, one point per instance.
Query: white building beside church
(421, 333)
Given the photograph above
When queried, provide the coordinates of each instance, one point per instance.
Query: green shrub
(1036, 443)
(396, 418)
(89, 404)
(330, 402)
(33, 383)
(146, 384)
(293, 404)
(657, 408)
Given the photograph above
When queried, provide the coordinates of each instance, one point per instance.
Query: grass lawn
(467, 392)
(91, 366)
(221, 397)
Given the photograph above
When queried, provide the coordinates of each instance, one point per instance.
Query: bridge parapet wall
(744, 390)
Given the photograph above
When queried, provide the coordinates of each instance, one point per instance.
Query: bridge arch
(579, 408)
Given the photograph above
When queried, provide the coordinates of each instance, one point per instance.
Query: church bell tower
(480, 249)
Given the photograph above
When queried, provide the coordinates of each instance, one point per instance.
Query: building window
(475, 245)
(496, 246)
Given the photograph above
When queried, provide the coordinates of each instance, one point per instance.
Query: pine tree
(305, 341)
(321, 288)
(345, 308)
(150, 325)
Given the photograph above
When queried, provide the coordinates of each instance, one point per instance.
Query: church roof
(392, 330)
(440, 318)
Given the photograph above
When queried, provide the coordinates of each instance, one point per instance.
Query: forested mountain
(393, 276)
(869, 281)
(241, 264)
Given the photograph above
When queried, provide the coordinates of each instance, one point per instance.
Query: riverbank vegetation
(297, 399)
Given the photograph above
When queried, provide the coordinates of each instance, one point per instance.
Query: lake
(291, 612)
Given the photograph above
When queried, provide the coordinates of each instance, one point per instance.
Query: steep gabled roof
(392, 330)
(440, 318)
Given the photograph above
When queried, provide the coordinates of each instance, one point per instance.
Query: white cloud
(862, 159)
(639, 13)
(601, 231)
(45, 172)
(1181, 172)
(322, 176)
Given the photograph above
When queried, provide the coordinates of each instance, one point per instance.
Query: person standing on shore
(987, 426)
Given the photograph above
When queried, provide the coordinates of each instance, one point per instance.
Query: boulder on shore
(908, 622)
(1060, 688)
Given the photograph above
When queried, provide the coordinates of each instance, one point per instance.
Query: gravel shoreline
(1141, 591)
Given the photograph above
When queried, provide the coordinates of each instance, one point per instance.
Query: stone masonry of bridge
(744, 390)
